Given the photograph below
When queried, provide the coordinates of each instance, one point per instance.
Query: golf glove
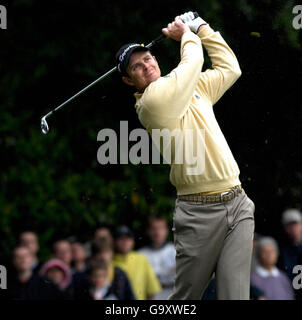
(193, 23)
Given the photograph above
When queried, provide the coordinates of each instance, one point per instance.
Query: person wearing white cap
(291, 249)
(267, 277)
(290, 217)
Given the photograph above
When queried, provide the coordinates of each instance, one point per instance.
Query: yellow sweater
(144, 281)
(184, 100)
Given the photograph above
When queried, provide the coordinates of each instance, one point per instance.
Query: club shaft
(161, 37)
(44, 124)
(83, 90)
(152, 43)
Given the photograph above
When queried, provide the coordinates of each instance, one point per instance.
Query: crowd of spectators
(110, 268)
(273, 263)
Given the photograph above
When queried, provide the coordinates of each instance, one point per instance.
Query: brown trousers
(213, 238)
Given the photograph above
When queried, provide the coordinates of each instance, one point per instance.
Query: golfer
(213, 221)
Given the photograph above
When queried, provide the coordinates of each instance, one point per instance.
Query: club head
(44, 125)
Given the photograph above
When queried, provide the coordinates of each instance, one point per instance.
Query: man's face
(103, 233)
(22, 259)
(268, 256)
(30, 240)
(124, 244)
(158, 231)
(294, 231)
(63, 251)
(142, 70)
(78, 252)
(99, 278)
(105, 255)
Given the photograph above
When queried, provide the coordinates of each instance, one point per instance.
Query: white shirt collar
(99, 293)
(265, 273)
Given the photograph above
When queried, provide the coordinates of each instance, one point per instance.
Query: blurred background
(53, 183)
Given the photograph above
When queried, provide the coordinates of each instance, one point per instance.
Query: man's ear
(128, 81)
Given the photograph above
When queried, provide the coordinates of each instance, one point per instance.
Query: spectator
(99, 286)
(137, 267)
(161, 255)
(27, 285)
(291, 249)
(62, 251)
(103, 233)
(30, 240)
(79, 257)
(59, 273)
(267, 277)
(102, 251)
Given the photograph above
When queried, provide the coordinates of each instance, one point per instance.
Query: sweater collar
(265, 273)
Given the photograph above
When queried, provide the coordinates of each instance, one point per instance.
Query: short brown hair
(156, 218)
(96, 265)
(100, 245)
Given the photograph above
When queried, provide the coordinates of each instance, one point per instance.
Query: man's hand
(193, 23)
(176, 29)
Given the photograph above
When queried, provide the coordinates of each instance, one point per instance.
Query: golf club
(44, 124)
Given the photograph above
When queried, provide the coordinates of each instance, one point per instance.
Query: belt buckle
(222, 194)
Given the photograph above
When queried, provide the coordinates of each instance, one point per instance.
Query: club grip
(196, 15)
(156, 40)
(162, 36)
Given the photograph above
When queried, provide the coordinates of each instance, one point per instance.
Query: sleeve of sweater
(170, 96)
(225, 67)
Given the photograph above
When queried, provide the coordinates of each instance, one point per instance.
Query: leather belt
(213, 198)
